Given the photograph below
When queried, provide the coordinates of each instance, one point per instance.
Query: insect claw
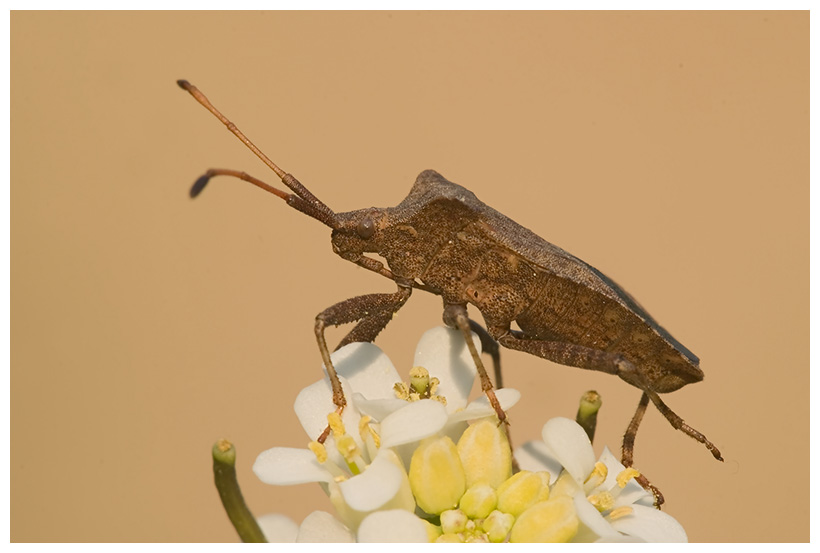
(323, 436)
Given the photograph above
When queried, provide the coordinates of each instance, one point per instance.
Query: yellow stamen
(596, 477)
(402, 391)
(334, 420)
(366, 430)
(319, 451)
(347, 446)
(620, 512)
(625, 476)
(602, 501)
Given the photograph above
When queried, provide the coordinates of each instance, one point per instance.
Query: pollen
(421, 386)
(402, 391)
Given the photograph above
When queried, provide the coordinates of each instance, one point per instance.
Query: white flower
(392, 454)
(445, 356)
(609, 503)
(396, 526)
(360, 465)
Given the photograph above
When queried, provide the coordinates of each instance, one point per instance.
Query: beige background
(669, 150)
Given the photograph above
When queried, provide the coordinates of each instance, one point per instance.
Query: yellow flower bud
(453, 521)
(552, 521)
(433, 531)
(436, 475)
(485, 454)
(545, 485)
(450, 538)
(565, 485)
(520, 492)
(478, 501)
(497, 525)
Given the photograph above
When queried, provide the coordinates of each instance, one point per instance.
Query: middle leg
(455, 316)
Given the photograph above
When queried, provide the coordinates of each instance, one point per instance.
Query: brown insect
(444, 240)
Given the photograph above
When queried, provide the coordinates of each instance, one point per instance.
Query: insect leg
(490, 347)
(567, 354)
(455, 315)
(678, 424)
(632, 431)
(373, 311)
(371, 325)
(628, 447)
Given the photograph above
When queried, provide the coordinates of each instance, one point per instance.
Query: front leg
(373, 311)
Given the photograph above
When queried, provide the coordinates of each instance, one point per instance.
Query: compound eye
(366, 228)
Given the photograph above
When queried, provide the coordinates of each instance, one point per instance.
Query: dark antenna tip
(183, 84)
(200, 185)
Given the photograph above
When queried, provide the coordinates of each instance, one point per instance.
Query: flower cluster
(402, 464)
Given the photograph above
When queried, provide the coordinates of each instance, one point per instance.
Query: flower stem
(224, 455)
(587, 415)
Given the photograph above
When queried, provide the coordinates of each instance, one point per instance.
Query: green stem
(224, 455)
(587, 415)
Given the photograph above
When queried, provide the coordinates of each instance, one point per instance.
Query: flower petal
(480, 407)
(284, 466)
(592, 520)
(415, 421)
(613, 466)
(367, 369)
(443, 352)
(378, 409)
(278, 528)
(633, 492)
(651, 525)
(315, 402)
(322, 527)
(394, 526)
(536, 456)
(377, 485)
(568, 443)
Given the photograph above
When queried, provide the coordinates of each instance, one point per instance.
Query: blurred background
(669, 150)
